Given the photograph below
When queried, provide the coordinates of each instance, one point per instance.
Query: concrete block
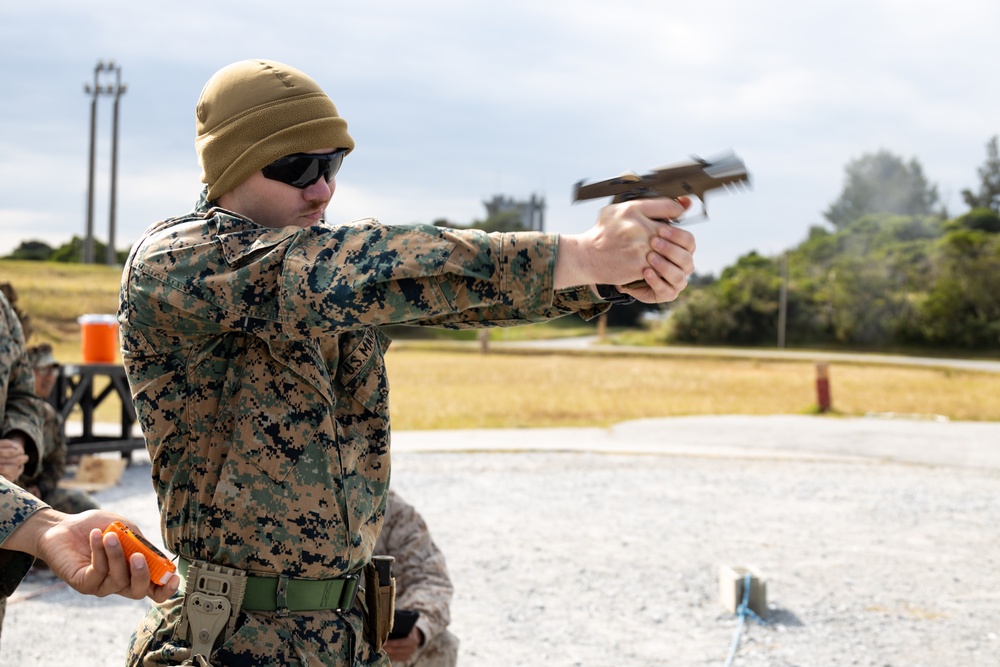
(731, 581)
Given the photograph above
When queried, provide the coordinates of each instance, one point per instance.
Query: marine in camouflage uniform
(255, 358)
(422, 583)
(21, 418)
(16, 505)
(20, 408)
(45, 483)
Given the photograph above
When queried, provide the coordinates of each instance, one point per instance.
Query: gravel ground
(594, 548)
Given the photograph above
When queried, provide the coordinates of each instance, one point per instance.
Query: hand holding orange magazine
(160, 567)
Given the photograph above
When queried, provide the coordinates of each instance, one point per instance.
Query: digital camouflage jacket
(16, 505)
(53, 466)
(20, 410)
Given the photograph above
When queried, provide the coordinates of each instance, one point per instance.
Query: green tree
(857, 284)
(962, 309)
(740, 308)
(32, 250)
(859, 305)
(980, 219)
(989, 181)
(72, 252)
(882, 183)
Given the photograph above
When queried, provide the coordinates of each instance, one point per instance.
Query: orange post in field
(823, 387)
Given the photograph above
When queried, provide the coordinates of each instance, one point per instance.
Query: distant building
(531, 212)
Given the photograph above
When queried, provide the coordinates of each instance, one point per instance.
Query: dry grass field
(55, 295)
(447, 388)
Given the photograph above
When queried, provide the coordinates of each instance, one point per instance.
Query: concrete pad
(801, 437)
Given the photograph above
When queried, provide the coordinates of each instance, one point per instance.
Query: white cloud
(17, 225)
(451, 102)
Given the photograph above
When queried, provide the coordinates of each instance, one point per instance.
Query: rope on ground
(742, 611)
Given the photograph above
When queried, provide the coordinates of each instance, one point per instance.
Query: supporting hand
(631, 242)
(12, 458)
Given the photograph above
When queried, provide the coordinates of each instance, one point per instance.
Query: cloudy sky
(452, 102)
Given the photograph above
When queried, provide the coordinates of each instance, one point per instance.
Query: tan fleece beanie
(253, 112)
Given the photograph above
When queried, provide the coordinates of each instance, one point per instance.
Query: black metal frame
(75, 387)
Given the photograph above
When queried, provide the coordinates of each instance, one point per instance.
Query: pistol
(693, 177)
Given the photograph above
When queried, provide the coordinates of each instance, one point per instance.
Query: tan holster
(380, 600)
(213, 596)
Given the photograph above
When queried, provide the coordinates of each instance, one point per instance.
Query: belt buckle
(347, 592)
(281, 596)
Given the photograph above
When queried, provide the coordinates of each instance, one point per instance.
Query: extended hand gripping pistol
(694, 178)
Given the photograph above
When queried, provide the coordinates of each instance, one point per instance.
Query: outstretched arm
(73, 546)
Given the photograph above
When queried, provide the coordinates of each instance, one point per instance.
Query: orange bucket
(99, 338)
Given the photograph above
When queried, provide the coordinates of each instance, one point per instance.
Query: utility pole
(783, 301)
(97, 90)
(118, 91)
(88, 239)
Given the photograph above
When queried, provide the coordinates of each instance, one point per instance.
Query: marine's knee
(442, 651)
(70, 501)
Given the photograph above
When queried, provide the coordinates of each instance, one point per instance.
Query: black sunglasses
(301, 170)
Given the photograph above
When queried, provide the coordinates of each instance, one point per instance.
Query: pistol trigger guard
(695, 219)
(612, 295)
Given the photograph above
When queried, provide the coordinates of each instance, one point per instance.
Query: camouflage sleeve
(22, 409)
(576, 300)
(405, 274)
(422, 581)
(229, 274)
(16, 505)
